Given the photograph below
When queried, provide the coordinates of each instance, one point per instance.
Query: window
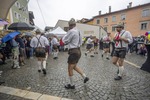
(105, 20)
(146, 12)
(123, 16)
(17, 4)
(26, 20)
(19, 16)
(16, 15)
(113, 28)
(105, 28)
(98, 21)
(144, 26)
(113, 18)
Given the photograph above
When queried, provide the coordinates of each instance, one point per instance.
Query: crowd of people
(40, 46)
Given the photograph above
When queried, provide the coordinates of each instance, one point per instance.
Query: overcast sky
(53, 10)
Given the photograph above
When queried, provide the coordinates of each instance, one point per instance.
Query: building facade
(135, 19)
(19, 11)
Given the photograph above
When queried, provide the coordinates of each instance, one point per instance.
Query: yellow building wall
(132, 22)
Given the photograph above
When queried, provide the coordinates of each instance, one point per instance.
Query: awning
(5, 5)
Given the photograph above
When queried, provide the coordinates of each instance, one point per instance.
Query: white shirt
(124, 34)
(54, 41)
(73, 38)
(43, 41)
(106, 38)
(89, 41)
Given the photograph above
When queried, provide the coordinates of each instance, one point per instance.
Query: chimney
(130, 4)
(100, 12)
(127, 7)
(109, 9)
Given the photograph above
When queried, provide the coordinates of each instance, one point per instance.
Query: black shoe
(86, 79)
(102, 55)
(107, 58)
(4, 63)
(2, 82)
(118, 78)
(85, 54)
(91, 56)
(55, 58)
(68, 86)
(39, 70)
(44, 71)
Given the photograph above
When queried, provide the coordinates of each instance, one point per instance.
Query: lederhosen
(40, 51)
(106, 44)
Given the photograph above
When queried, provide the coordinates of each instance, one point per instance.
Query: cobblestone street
(135, 84)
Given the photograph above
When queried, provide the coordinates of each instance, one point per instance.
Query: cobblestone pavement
(135, 84)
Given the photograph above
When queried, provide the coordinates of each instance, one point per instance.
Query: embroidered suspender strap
(39, 41)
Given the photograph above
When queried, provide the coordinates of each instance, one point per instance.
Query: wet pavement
(135, 84)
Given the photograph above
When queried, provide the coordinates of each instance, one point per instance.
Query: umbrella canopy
(9, 36)
(2, 22)
(27, 34)
(20, 26)
(5, 5)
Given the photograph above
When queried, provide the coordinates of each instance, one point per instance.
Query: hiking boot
(68, 86)
(44, 71)
(86, 79)
(118, 78)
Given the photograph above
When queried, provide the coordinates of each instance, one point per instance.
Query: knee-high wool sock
(44, 64)
(71, 80)
(39, 65)
(121, 69)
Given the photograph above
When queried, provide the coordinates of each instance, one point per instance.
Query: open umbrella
(20, 26)
(28, 34)
(2, 22)
(10, 36)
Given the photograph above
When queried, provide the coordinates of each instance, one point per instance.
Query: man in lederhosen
(106, 45)
(122, 38)
(39, 43)
(73, 39)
